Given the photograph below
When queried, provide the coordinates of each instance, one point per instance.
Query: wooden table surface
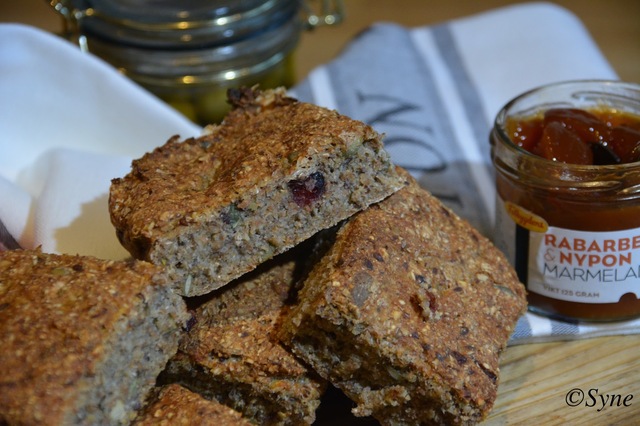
(539, 382)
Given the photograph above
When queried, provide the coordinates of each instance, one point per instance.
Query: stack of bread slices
(280, 254)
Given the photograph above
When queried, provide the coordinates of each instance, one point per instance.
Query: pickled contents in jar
(207, 103)
(576, 136)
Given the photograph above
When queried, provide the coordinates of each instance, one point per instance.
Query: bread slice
(274, 173)
(231, 354)
(408, 312)
(82, 339)
(175, 405)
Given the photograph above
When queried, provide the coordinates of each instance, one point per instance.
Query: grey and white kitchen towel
(434, 91)
(69, 122)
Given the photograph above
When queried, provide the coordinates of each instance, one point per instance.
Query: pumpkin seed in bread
(272, 174)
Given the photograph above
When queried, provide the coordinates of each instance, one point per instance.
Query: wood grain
(536, 378)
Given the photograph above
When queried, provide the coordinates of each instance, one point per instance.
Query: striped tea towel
(434, 91)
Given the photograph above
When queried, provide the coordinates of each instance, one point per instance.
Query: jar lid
(173, 23)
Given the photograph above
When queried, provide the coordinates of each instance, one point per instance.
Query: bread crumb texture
(408, 313)
(82, 339)
(232, 355)
(177, 406)
(271, 175)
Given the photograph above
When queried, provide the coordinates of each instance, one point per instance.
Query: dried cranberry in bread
(275, 172)
(408, 313)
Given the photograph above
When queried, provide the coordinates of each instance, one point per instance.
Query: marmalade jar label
(575, 266)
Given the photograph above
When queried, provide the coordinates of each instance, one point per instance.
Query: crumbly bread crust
(274, 173)
(82, 339)
(176, 406)
(408, 312)
(231, 353)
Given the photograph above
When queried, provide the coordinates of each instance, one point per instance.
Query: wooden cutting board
(565, 383)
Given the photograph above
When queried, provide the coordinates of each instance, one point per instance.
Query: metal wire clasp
(331, 13)
(71, 17)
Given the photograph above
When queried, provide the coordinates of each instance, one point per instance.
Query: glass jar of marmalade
(567, 160)
(190, 52)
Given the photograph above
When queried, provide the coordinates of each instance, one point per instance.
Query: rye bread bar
(232, 354)
(82, 340)
(272, 174)
(408, 313)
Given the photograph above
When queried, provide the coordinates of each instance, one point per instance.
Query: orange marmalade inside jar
(571, 135)
(568, 205)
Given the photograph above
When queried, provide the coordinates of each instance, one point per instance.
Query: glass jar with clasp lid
(190, 52)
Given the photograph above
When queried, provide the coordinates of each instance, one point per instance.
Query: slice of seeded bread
(408, 313)
(175, 405)
(231, 354)
(82, 339)
(275, 172)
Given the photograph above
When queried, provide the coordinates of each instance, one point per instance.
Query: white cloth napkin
(69, 123)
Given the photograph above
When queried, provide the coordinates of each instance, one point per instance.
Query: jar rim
(220, 22)
(586, 93)
(162, 15)
(206, 79)
(199, 65)
(618, 181)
